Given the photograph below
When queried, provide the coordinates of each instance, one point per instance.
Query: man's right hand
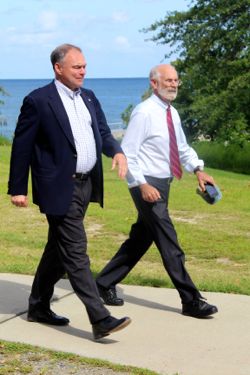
(19, 200)
(149, 193)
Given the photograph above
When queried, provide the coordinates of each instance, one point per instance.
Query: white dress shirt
(80, 122)
(146, 143)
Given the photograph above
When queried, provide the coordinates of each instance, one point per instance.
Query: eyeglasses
(177, 82)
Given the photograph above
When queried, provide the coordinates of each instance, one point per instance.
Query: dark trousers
(66, 251)
(153, 225)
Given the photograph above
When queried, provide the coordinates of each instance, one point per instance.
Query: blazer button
(73, 175)
(75, 155)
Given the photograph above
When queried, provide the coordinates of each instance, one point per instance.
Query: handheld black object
(211, 195)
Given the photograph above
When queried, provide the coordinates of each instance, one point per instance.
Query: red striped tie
(175, 165)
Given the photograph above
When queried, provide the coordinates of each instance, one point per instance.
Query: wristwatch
(196, 169)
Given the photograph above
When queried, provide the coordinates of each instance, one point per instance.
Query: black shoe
(109, 325)
(109, 296)
(198, 308)
(46, 316)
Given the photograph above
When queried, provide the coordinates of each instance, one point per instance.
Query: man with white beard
(156, 147)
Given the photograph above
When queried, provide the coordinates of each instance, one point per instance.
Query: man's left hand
(204, 178)
(120, 161)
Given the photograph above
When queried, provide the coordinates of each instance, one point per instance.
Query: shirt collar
(157, 100)
(68, 92)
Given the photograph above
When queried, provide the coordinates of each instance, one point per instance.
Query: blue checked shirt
(80, 122)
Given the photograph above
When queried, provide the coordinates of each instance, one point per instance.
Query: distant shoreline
(52, 78)
(117, 133)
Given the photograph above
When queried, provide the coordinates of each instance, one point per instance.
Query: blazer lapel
(60, 113)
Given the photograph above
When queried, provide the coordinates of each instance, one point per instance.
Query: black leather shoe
(109, 296)
(109, 325)
(198, 308)
(46, 316)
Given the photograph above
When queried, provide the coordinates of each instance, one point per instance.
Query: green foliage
(2, 93)
(230, 157)
(212, 39)
(3, 121)
(125, 116)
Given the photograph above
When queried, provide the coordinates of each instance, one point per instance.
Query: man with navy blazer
(60, 136)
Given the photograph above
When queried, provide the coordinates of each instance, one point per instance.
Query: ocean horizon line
(51, 78)
(114, 94)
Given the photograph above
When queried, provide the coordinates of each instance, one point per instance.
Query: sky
(107, 31)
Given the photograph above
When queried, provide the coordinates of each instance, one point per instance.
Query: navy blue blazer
(43, 142)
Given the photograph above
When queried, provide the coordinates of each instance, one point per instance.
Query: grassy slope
(215, 238)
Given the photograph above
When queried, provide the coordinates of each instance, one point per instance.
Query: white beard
(168, 94)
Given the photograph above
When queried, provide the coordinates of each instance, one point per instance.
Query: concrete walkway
(159, 337)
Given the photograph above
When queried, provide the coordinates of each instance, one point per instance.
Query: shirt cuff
(133, 182)
(198, 168)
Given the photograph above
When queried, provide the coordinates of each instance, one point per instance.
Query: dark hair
(59, 52)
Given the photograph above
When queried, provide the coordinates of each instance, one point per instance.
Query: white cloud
(120, 17)
(44, 30)
(31, 38)
(48, 20)
(122, 41)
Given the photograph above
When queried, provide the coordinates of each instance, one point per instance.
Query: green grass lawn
(215, 238)
(17, 358)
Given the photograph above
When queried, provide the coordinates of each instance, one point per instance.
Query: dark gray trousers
(66, 251)
(153, 225)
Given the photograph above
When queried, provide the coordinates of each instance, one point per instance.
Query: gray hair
(154, 73)
(59, 52)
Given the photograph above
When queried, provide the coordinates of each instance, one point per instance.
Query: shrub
(233, 157)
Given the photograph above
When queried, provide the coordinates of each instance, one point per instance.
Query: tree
(3, 121)
(2, 92)
(212, 43)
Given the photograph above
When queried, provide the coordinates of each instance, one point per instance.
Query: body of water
(114, 94)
